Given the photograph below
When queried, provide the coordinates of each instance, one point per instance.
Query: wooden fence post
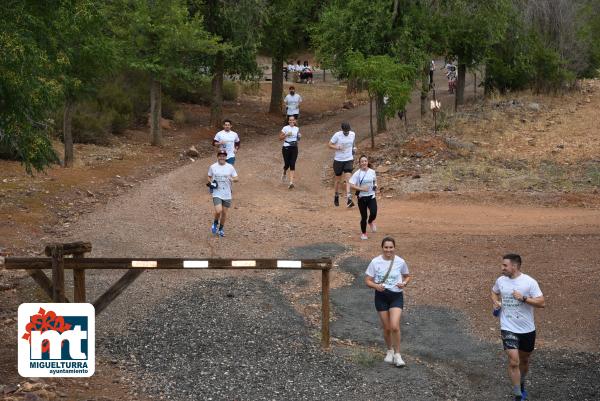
(79, 281)
(325, 308)
(58, 273)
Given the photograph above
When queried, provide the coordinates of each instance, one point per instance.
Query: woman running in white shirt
(364, 181)
(290, 135)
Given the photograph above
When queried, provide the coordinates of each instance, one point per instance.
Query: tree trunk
(67, 133)
(155, 113)
(371, 122)
(460, 84)
(424, 90)
(380, 107)
(276, 84)
(216, 101)
(475, 85)
(351, 86)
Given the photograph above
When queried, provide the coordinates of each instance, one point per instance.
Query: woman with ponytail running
(364, 181)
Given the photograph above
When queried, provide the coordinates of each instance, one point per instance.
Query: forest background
(83, 71)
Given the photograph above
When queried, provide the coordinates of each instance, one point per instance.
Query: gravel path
(235, 339)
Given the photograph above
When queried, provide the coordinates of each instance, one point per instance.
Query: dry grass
(518, 148)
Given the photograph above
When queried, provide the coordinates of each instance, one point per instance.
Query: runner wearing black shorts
(388, 275)
(343, 161)
(515, 295)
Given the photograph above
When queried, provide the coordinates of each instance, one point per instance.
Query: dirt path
(453, 250)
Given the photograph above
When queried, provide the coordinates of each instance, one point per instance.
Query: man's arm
(536, 302)
(334, 146)
(496, 300)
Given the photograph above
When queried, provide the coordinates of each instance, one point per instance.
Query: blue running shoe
(213, 229)
(523, 394)
(221, 233)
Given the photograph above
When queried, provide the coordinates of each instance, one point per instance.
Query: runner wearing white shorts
(220, 177)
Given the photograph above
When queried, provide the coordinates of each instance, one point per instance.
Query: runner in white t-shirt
(292, 104)
(343, 161)
(364, 181)
(228, 141)
(388, 275)
(220, 177)
(290, 135)
(515, 295)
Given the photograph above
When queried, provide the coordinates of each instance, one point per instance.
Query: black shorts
(522, 341)
(388, 299)
(342, 167)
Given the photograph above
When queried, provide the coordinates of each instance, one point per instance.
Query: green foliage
(551, 73)
(235, 25)
(347, 26)
(161, 38)
(28, 81)
(384, 77)
(522, 60)
(474, 26)
(589, 35)
(199, 92)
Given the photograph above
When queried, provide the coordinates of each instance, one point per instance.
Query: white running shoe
(283, 177)
(398, 361)
(373, 227)
(389, 357)
(364, 236)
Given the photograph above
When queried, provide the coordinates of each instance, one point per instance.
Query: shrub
(168, 107)
(200, 92)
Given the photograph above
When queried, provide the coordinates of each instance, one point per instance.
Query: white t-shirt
(362, 178)
(230, 138)
(292, 134)
(222, 174)
(347, 143)
(516, 316)
(379, 267)
(293, 104)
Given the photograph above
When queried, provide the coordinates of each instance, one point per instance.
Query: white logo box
(69, 360)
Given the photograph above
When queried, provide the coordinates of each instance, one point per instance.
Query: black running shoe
(336, 200)
(349, 203)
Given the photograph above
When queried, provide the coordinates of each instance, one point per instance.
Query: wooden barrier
(57, 262)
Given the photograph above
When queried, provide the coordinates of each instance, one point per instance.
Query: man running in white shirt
(292, 104)
(343, 161)
(516, 295)
(220, 177)
(228, 141)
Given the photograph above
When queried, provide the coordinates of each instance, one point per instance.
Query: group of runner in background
(514, 295)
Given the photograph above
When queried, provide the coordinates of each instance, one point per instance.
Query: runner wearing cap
(220, 177)
(228, 141)
(343, 161)
(290, 135)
